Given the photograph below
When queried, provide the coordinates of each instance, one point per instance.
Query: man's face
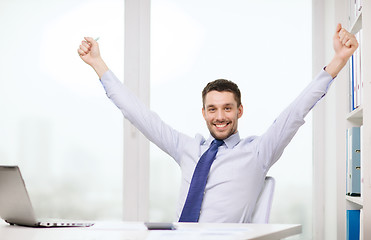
(221, 114)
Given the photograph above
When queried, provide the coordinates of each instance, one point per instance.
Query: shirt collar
(230, 142)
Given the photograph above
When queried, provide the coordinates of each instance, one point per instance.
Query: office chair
(263, 205)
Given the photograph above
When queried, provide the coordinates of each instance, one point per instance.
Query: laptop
(15, 204)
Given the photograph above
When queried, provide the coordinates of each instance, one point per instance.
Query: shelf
(356, 200)
(356, 116)
(357, 25)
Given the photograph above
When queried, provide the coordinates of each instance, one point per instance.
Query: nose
(220, 115)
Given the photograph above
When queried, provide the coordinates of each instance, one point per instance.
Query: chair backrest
(263, 205)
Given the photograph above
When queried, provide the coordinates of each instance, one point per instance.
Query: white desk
(137, 231)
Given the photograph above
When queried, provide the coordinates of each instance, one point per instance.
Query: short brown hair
(222, 85)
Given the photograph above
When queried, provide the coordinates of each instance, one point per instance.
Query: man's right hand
(90, 54)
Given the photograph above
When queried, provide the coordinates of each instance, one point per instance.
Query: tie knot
(217, 142)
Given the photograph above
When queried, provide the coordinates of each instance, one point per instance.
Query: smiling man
(222, 175)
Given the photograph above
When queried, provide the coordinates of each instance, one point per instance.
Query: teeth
(221, 125)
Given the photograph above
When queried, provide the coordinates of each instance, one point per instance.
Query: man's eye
(228, 109)
(211, 109)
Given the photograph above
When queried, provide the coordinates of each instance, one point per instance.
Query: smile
(221, 125)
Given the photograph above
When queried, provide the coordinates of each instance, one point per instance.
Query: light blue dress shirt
(239, 169)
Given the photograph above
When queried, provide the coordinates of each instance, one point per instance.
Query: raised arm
(90, 54)
(133, 109)
(272, 143)
(345, 44)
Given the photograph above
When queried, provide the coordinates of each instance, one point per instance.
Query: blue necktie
(192, 206)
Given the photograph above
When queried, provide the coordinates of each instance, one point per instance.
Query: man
(223, 175)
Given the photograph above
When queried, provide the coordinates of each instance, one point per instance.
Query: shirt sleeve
(146, 121)
(272, 143)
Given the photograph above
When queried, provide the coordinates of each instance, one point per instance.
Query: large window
(56, 122)
(265, 47)
(59, 126)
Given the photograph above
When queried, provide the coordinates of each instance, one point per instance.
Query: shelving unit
(332, 118)
(361, 116)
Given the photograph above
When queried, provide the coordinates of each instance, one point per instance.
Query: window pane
(57, 122)
(263, 46)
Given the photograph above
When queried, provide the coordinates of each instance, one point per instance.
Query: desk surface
(137, 231)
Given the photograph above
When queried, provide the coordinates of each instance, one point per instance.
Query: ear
(203, 113)
(240, 111)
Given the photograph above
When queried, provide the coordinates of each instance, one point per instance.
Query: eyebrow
(225, 105)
